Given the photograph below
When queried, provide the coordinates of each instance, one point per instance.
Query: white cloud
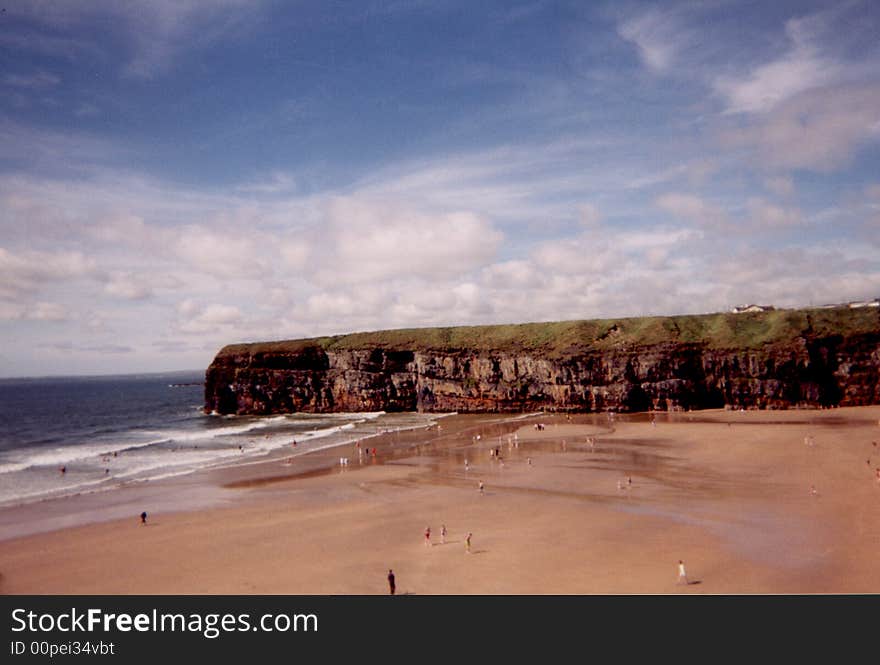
(47, 311)
(71, 150)
(462, 239)
(764, 213)
(224, 253)
(512, 275)
(27, 272)
(295, 252)
(127, 286)
(38, 311)
(818, 129)
(38, 80)
(156, 31)
(692, 208)
(657, 34)
(813, 105)
(220, 315)
(527, 182)
(102, 349)
(197, 319)
(364, 239)
(801, 68)
(589, 215)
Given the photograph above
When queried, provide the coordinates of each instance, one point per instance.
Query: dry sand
(727, 492)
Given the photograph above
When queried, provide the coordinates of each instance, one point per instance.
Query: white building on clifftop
(742, 309)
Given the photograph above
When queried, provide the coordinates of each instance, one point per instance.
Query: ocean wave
(67, 490)
(11, 467)
(93, 466)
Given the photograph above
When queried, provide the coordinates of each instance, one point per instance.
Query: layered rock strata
(804, 366)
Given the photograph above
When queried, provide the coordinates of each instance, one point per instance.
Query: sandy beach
(762, 502)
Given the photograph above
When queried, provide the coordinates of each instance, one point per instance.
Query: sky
(177, 175)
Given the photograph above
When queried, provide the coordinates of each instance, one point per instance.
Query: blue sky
(178, 175)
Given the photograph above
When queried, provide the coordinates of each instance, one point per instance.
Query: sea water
(63, 436)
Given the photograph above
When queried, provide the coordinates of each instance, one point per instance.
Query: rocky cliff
(779, 359)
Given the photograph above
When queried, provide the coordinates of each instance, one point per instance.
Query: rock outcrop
(782, 359)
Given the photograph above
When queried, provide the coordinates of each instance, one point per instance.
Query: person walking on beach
(427, 536)
(144, 517)
(682, 575)
(481, 487)
(442, 534)
(391, 584)
(467, 543)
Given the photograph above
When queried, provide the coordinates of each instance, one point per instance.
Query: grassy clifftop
(720, 331)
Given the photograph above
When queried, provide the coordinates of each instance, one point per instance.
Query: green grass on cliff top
(721, 331)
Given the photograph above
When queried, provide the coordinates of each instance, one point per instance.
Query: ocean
(71, 435)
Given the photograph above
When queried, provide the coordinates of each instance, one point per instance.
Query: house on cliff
(742, 309)
(864, 303)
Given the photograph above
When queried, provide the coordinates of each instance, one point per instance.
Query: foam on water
(190, 443)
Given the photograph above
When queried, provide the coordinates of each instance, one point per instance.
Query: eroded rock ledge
(779, 359)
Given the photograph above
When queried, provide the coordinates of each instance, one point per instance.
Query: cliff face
(812, 368)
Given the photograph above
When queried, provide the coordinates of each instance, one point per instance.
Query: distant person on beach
(391, 584)
(442, 534)
(467, 543)
(427, 536)
(144, 517)
(481, 487)
(682, 575)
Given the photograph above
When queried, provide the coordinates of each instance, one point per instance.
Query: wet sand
(727, 492)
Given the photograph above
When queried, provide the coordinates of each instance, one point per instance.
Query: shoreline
(729, 492)
(196, 489)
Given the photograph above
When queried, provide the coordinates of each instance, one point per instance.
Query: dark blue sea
(62, 436)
